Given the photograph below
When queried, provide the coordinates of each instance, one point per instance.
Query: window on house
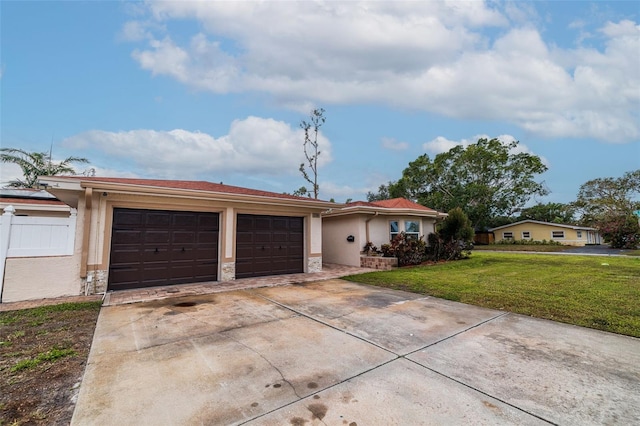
(579, 234)
(526, 235)
(394, 229)
(507, 235)
(412, 229)
(557, 234)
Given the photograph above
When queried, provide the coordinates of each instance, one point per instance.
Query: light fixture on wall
(104, 194)
(351, 238)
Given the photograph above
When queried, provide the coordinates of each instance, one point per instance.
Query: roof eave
(78, 185)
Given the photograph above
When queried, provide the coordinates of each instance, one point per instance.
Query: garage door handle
(182, 248)
(156, 250)
(262, 247)
(280, 247)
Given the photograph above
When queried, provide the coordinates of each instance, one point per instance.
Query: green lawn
(599, 292)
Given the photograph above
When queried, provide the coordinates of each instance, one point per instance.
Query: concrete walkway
(339, 353)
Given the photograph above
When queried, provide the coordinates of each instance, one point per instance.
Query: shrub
(621, 232)
(408, 250)
(454, 238)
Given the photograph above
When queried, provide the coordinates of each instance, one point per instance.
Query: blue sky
(216, 90)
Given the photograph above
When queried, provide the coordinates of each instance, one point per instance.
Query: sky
(216, 91)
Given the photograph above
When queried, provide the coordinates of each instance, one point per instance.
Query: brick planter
(378, 262)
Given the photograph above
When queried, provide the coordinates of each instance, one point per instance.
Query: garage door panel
(155, 247)
(269, 245)
(127, 237)
(156, 236)
(157, 219)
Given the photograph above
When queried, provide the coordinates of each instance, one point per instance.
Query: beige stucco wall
(379, 227)
(539, 232)
(335, 247)
(27, 278)
(41, 277)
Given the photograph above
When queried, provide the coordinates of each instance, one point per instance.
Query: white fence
(29, 236)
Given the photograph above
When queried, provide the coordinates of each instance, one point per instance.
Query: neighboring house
(33, 202)
(134, 233)
(346, 230)
(37, 240)
(539, 231)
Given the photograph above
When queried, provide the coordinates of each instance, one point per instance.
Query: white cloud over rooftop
(467, 60)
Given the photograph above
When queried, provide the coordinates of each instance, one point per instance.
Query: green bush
(408, 250)
(510, 242)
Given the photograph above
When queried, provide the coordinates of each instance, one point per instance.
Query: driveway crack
(284, 379)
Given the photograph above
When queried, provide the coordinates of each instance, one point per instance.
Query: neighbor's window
(557, 234)
(526, 235)
(507, 235)
(393, 228)
(579, 234)
(412, 229)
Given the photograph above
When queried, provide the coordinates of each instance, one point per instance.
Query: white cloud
(394, 145)
(430, 56)
(9, 172)
(254, 145)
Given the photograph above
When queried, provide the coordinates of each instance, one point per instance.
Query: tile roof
(394, 203)
(194, 185)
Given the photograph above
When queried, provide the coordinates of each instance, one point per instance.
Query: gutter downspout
(366, 226)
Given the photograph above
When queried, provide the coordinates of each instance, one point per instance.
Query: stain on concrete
(255, 404)
(318, 411)
(316, 396)
(277, 385)
(297, 421)
(312, 385)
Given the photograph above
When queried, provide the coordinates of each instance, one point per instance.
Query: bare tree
(311, 130)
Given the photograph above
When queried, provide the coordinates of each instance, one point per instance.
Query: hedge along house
(346, 230)
(135, 233)
(546, 231)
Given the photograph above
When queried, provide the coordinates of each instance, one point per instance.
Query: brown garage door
(269, 245)
(156, 247)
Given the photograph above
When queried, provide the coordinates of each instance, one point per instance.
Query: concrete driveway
(339, 353)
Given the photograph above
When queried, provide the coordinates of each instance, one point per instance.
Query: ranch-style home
(133, 233)
(346, 230)
(539, 231)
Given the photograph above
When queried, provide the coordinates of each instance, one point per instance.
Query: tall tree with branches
(34, 164)
(311, 152)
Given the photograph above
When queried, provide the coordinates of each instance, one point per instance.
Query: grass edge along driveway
(599, 292)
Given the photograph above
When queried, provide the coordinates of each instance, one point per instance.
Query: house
(33, 202)
(134, 233)
(37, 238)
(347, 229)
(539, 231)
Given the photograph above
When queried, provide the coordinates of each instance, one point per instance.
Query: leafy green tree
(550, 212)
(603, 197)
(311, 152)
(456, 227)
(34, 164)
(608, 204)
(485, 179)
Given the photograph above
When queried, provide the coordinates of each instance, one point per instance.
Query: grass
(600, 292)
(522, 247)
(37, 316)
(49, 356)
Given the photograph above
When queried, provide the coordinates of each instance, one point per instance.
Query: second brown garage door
(158, 247)
(269, 245)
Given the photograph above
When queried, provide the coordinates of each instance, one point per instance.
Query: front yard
(43, 353)
(600, 292)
